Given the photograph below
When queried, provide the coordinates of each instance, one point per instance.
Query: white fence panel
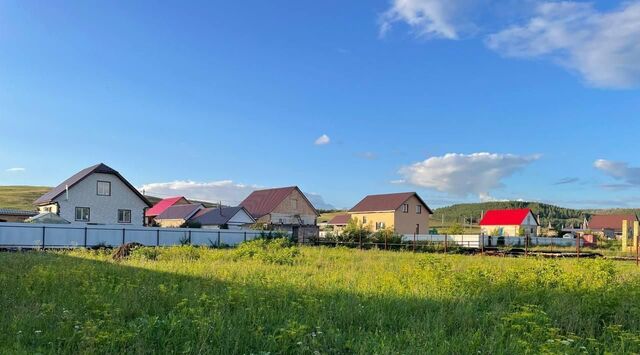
(13, 235)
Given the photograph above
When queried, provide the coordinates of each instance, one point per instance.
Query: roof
(47, 217)
(12, 212)
(512, 217)
(81, 175)
(162, 205)
(340, 219)
(386, 202)
(180, 211)
(262, 202)
(614, 221)
(217, 216)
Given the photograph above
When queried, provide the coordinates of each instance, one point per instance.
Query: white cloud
(603, 47)
(428, 18)
(227, 191)
(318, 201)
(620, 171)
(16, 170)
(465, 174)
(322, 140)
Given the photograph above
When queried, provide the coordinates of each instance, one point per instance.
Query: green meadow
(269, 297)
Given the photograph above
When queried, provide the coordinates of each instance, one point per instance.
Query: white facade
(102, 209)
(238, 221)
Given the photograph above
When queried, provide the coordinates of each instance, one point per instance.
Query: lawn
(273, 299)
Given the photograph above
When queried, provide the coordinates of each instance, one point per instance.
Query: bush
(145, 253)
(279, 251)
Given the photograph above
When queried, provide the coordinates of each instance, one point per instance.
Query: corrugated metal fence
(25, 235)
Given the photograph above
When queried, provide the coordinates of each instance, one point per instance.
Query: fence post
(526, 246)
(158, 237)
(386, 246)
(245, 236)
(446, 237)
(44, 232)
(360, 239)
(414, 241)
(189, 236)
(482, 244)
(123, 235)
(578, 246)
(85, 237)
(218, 238)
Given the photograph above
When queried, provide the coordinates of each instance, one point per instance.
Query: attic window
(104, 188)
(418, 209)
(405, 208)
(294, 204)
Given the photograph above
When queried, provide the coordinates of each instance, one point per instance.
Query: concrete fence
(25, 235)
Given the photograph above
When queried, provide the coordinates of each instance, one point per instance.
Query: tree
(455, 229)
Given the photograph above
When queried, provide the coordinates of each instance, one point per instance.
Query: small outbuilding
(176, 216)
(223, 218)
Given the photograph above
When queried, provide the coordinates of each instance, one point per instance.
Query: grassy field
(20, 197)
(259, 300)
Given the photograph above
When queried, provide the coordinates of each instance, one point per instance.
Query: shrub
(273, 251)
(145, 253)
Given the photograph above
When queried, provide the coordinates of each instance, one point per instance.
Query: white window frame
(418, 209)
(103, 183)
(124, 221)
(82, 218)
(405, 208)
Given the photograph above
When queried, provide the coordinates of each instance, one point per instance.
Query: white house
(509, 223)
(96, 195)
(223, 218)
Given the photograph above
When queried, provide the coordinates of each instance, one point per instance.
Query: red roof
(162, 205)
(386, 202)
(513, 217)
(262, 202)
(341, 219)
(614, 222)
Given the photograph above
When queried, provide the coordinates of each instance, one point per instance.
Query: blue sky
(461, 100)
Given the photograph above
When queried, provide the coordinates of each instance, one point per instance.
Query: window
(418, 209)
(380, 225)
(83, 214)
(104, 188)
(405, 208)
(294, 204)
(364, 219)
(124, 216)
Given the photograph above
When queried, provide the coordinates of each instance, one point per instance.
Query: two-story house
(97, 195)
(405, 213)
(286, 209)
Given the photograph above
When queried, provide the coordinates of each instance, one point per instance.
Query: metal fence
(25, 235)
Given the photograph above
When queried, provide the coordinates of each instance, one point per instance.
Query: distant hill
(558, 216)
(20, 197)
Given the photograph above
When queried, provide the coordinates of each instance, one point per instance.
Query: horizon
(461, 103)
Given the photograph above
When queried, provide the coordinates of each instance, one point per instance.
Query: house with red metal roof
(611, 225)
(286, 209)
(339, 222)
(162, 205)
(509, 223)
(405, 213)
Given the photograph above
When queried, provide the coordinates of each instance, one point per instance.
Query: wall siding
(104, 209)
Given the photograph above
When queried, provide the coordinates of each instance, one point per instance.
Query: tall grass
(314, 300)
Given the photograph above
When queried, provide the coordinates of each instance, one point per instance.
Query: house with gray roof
(177, 215)
(96, 195)
(223, 218)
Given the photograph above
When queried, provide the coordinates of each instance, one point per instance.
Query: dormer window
(104, 188)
